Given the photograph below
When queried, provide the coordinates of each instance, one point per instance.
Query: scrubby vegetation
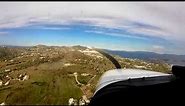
(52, 71)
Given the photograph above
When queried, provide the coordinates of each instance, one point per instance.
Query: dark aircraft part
(140, 92)
(179, 71)
(112, 59)
(147, 91)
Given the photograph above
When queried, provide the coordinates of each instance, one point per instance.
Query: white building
(7, 70)
(2, 104)
(71, 101)
(7, 83)
(1, 83)
(26, 77)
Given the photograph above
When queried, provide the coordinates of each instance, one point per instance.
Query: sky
(132, 26)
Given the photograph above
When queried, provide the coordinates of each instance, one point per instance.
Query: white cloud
(3, 33)
(149, 32)
(168, 16)
(52, 28)
(158, 49)
(114, 34)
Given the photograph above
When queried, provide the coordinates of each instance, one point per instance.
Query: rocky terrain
(57, 75)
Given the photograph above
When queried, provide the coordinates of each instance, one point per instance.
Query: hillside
(52, 74)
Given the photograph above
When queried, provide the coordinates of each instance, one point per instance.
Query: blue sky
(79, 34)
(100, 25)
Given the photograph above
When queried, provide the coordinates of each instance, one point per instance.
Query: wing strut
(111, 58)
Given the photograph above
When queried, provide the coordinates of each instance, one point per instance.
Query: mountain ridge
(150, 56)
(173, 59)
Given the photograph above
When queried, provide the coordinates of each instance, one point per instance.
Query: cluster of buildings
(7, 79)
(82, 101)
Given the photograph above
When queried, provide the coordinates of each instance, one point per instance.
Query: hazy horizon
(92, 47)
